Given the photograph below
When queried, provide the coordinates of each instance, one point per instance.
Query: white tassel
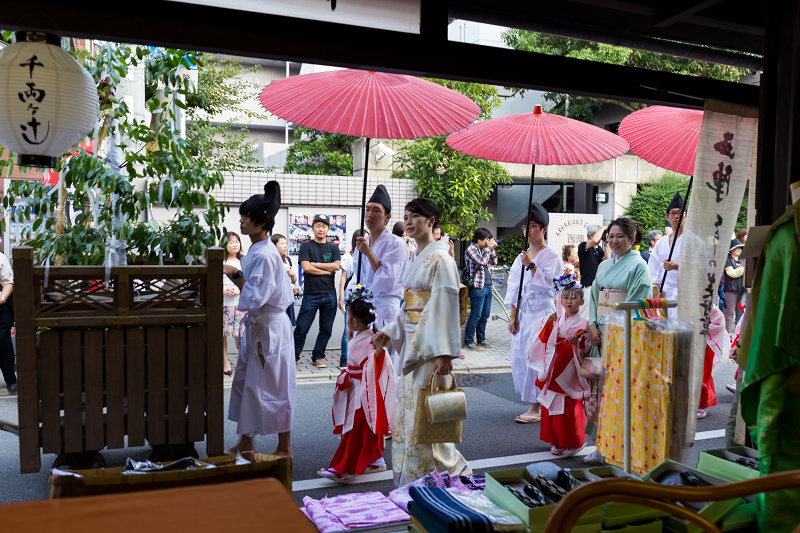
(107, 264)
(46, 272)
(94, 203)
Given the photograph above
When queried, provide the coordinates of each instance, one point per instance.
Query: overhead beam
(666, 17)
(594, 33)
(171, 24)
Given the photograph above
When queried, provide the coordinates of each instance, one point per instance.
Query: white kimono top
(543, 352)
(364, 384)
(386, 283)
(655, 264)
(428, 326)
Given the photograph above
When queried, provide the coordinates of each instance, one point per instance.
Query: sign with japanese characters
(725, 155)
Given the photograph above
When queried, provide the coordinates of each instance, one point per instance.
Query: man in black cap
(384, 258)
(320, 261)
(660, 260)
(537, 266)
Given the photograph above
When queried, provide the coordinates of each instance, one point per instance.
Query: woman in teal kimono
(626, 271)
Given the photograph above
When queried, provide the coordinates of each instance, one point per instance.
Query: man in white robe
(384, 260)
(264, 385)
(660, 261)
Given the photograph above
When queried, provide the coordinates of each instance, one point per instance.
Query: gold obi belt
(414, 301)
(606, 300)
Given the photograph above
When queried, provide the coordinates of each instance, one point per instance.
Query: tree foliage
(221, 90)
(107, 204)
(582, 108)
(320, 153)
(459, 184)
(509, 248)
(648, 206)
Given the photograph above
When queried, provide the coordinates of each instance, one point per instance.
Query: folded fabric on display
(439, 511)
(658, 348)
(400, 496)
(349, 511)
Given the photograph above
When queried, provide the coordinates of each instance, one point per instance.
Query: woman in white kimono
(541, 265)
(264, 386)
(426, 335)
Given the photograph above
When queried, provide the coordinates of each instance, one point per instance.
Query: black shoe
(343, 362)
(473, 347)
(12, 387)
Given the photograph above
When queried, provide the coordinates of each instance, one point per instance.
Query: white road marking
(491, 462)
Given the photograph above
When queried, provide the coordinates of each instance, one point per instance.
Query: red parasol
(537, 138)
(664, 136)
(369, 104)
(667, 137)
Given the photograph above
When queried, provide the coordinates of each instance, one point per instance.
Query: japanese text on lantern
(31, 131)
(722, 177)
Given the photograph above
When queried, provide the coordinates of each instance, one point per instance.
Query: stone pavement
(495, 359)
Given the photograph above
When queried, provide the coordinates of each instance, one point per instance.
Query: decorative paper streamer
(94, 203)
(46, 272)
(722, 167)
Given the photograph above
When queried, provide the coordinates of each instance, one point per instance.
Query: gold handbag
(606, 300)
(440, 414)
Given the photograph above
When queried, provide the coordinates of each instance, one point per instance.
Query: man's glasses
(531, 226)
(675, 212)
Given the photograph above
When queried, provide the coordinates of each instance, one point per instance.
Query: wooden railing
(138, 356)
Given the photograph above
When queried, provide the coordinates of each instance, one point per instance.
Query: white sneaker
(731, 387)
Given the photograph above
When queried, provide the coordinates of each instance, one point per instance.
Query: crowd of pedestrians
(398, 290)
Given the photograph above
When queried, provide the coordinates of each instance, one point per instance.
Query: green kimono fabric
(770, 354)
(628, 274)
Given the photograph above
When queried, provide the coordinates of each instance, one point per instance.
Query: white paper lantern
(48, 101)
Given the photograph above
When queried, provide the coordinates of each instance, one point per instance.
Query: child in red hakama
(718, 347)
(557, 354)
(364, 397)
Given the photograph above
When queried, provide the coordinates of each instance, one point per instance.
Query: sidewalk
(495, 359)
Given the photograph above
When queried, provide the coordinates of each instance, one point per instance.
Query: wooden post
(214, 345)
(28, 395)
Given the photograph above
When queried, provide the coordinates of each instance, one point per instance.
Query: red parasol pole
(363, 205)
(526, 245)
(680, 221)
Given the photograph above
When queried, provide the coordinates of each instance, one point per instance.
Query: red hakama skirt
(567, 429)
(708, 396)
(359, 448)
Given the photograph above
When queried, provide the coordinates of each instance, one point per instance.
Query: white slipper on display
(594, 458)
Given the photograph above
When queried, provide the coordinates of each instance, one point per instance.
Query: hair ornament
(359, 292)
(567, 280)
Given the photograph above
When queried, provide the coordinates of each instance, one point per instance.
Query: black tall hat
(272, 198)
(539, 215)
(381, 196)
(676, 203)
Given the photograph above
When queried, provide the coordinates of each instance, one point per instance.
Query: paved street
(492, 440)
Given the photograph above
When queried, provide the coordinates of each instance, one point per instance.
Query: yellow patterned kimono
(428, 327)
(651, 375)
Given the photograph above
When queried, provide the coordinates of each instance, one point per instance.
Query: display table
(243, 506)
